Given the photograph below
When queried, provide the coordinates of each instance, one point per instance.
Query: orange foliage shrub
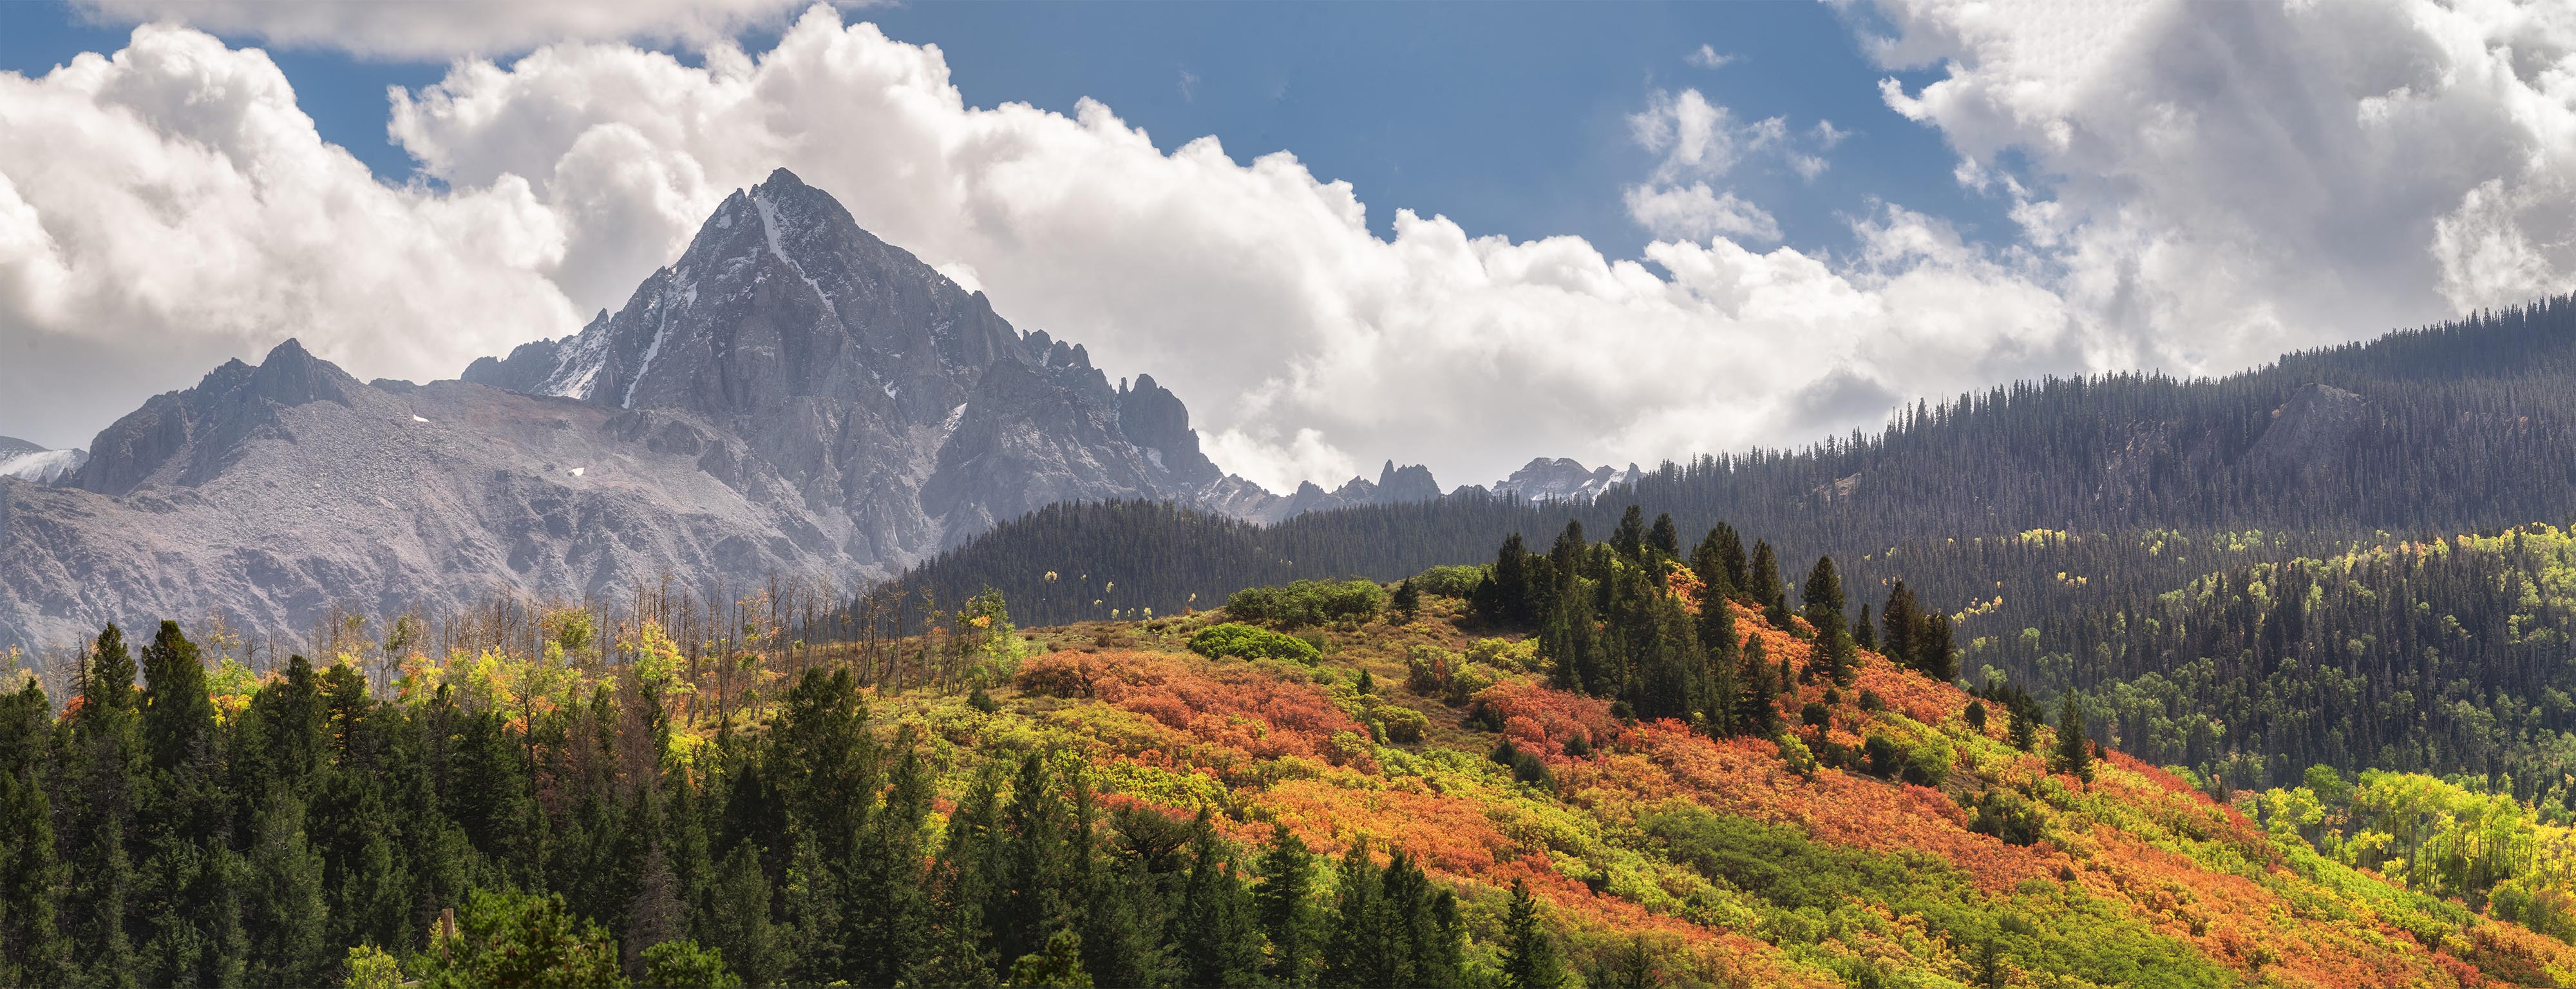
(1540, 721)
(1235, 708)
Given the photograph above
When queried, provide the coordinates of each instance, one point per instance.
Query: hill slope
(1059, 795)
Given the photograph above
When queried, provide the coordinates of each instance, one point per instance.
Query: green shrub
(684, 965)
(1924, 762)
(1470, 680)
(1427, 669)
(1308, 602)
(1450, 581)
(1505, 654)
(1402, 724)
(1250, 642)
(2005, 815)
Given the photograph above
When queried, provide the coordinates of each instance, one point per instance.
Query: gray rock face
(278, 495)
(791, 397)
(2311, 434)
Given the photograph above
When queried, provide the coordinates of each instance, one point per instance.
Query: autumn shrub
(1427, 669)
(1061, 674)
(1249, 642)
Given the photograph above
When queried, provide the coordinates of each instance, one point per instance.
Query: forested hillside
(1320, 784)
(2466, 426)
(2129, 538)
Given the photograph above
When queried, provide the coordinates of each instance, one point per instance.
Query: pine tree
(1529, 956)
(1036, 896)
(1216, 934)
(1934, 652)
(1282, 901)
(1864, 630)
(1057, 966)
(1731, 558)
(886, 895)
(1758, 711)
(734, 921)
(103, 759)
(1511, 596)
(1119, 900)
(1570, 641)
(956, 949)
(287, 919)
(178, 718)
(1767, 591)
(107, 679)
(1903, 621)
(1630, 538)
(1407, 603)
(33, 948)
(2074, 754)
(684, 965)
(522, 939)
(1823, 594)
(1709, 563)
(1360, 951)
(1664, 538)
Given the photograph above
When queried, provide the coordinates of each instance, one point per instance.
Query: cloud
(2214, 184)
(1706, 57)
(2362, 167)
(169, 207)
(1307, 345)
(1697, 213)
(1696, 137)
(437, 30)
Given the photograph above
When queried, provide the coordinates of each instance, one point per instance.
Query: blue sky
(1510, 119)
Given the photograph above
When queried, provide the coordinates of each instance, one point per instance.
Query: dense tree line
(322, 831)
(2448, 657)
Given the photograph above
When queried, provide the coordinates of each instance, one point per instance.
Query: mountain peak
(781, 178)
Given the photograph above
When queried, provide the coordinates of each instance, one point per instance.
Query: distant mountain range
(791, 397)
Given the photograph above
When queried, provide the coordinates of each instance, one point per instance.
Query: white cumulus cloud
(169, 206)
(2216, 183)
(2362, 166)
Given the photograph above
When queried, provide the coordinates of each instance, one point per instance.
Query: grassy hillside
(1722, 862)
(1101, 801)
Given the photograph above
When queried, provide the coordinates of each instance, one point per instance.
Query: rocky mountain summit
(1560, 479)
(791, 397)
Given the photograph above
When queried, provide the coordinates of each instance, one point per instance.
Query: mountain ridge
(791, 397)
